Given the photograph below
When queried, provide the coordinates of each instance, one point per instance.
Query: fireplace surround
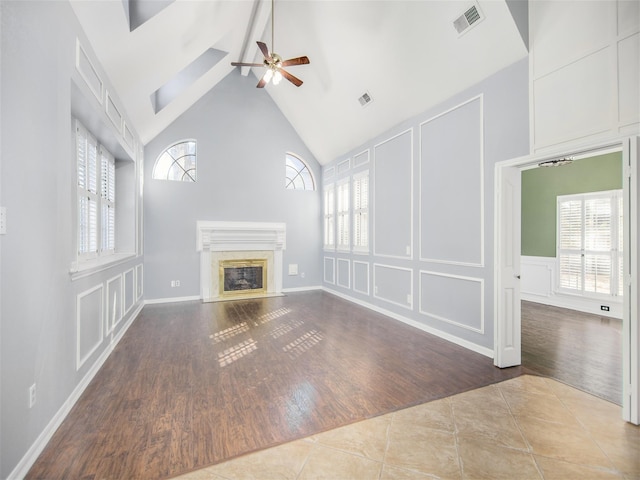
(220, 242)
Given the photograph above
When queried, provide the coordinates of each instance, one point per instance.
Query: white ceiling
(405, 53)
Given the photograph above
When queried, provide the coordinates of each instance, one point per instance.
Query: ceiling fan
(274, 63)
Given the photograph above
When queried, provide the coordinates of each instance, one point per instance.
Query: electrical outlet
(177, 283)
(173, 283)
(3, 220)
(32, 395)
(408, 298)
(604, 308)
(293, 269)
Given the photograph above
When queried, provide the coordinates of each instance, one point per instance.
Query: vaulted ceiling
(163, 55)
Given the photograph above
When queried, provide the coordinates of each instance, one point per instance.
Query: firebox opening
(242, 277)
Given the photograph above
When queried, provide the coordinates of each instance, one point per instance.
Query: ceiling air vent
(469, 18)
(365, 99)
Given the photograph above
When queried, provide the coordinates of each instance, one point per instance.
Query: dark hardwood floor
(579, 349)
(193, 384)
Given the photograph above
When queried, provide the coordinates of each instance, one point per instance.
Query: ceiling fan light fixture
(277, 76)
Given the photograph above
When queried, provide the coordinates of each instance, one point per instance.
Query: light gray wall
(242, 140)
(446, 281)
(38, 322)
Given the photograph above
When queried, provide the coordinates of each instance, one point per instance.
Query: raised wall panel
(361, 158)
(453, 299)
(114, 302)
(89, 319)
(575, 101)
(343, 166)
(330, 270)
(139, 281)
(129, 290)
(344, 273)
(452, 186)
(114, 114)
(88, 73)
(393, 285)
(563, 32)
(629, 80)
(392, 197)
(361, 277)
(328, 173)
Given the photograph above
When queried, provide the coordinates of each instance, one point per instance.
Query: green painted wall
(541, 186)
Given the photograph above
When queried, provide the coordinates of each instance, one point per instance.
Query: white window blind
(590, 243)
(95, 168)
(342, 193)
(361, 212)
(329, 217)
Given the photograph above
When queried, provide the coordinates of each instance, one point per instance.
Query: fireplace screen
(239, 277)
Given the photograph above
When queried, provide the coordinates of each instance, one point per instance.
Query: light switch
(293, 269)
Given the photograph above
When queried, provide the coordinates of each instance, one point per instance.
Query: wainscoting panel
(393, 285)
(393, 197)
(452, 186)
(539, 284)
(453, 299)
(89, 319)
(330, 270)
(129, 290)
(139, 281)
(344, 273)
(361, 277)
(114, 302)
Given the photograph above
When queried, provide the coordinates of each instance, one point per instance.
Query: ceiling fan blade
(262, 82)
(295, 61)
(242, 64)
(265, 51)
(296, 81)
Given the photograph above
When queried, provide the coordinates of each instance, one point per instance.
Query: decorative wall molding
(358, 280)
(404, 299)
(474, 209)
(89, 323)
(329, 267)
(454, 290)
(114, 302)
(343, 281)
(129, 285)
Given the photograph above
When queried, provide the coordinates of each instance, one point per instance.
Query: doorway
(508, 327)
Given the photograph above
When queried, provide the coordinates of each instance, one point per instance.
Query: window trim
(305, 167)
(615, 254)
(361, 211)
(194, 178)
(93, 193)
(343, 215)
(329, 217)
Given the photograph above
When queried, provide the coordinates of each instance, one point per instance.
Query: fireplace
(239, 278)
(240, 245)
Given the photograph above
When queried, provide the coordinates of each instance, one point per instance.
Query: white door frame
(507, 325)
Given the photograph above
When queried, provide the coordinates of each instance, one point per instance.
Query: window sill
(89, 267)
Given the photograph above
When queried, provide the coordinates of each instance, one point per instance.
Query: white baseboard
(27, 461)
(301, 289)
(586, 305)
(438, 333)
(171, 300)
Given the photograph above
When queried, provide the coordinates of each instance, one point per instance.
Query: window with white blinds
(590, 243)
(361, 212)
(96, 194)
(329, 217)
(342, 214)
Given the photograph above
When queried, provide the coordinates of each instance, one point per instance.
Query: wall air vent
(464, 22)
(365, 99)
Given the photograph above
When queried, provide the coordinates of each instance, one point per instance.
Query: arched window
(298, 175)
(177, 162)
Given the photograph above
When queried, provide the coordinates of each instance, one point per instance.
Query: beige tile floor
(524, 428)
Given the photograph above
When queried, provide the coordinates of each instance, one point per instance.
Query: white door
(507, 333)
(630, 328)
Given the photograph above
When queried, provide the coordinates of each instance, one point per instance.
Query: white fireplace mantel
(215, 238)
